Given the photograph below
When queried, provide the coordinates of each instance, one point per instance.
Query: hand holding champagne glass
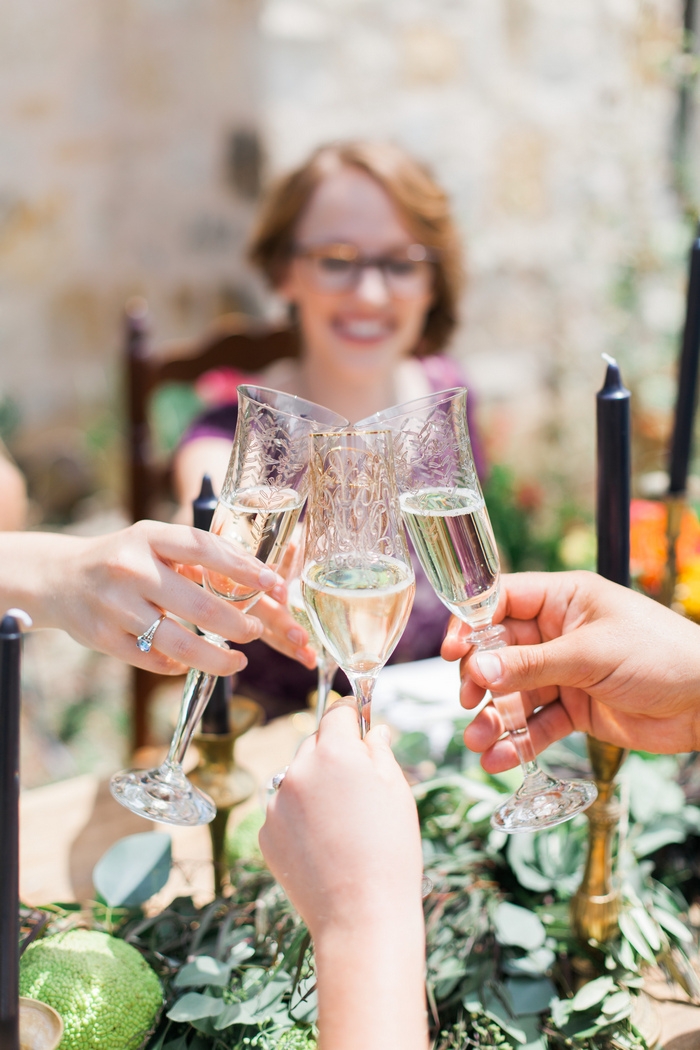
(446, 517)
(358, 583)
(260, 502)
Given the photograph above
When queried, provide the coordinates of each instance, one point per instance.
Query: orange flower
(648, 549)
(648, 543)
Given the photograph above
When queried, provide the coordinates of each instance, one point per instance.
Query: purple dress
(282, 685)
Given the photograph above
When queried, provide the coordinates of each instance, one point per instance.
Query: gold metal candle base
(40, 1026)
(226, 783)
(675, 506)
(595, 906)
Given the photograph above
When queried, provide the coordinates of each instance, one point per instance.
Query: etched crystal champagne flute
(326, 666)
(358, 582)
(446, 517)
(260, 502)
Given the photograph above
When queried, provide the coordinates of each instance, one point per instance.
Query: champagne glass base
(542, 802)
(163, 794)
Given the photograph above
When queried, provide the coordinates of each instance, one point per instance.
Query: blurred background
(138, 135)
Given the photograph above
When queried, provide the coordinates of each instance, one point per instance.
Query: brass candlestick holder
(227, 783)
(675, 507)
(596, 904)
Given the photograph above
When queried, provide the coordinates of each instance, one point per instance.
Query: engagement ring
(278, 778)
(145, 640)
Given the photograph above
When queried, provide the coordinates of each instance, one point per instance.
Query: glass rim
(249, 391)
(407, 408)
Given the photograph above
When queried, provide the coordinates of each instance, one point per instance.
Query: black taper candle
(10, 643)
(613, 502)
(687, 396)
(215, 719)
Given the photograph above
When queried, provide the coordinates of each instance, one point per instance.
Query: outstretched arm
(588, 655)
(342, 838)
(13, 495)
(105, 591)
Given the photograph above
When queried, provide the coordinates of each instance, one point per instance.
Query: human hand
(341, 834)
(106, 591)
(282, 632)
(587, 655)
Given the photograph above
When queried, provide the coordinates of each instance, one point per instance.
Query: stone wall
(118, 125)
(550, 123)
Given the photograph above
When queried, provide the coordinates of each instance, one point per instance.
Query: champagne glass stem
(196, 695)
(363, 687)
(327, 668)
(511, 711)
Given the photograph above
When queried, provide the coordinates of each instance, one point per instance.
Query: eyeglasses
(339, 267)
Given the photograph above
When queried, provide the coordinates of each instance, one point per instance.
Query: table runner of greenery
(238, 972)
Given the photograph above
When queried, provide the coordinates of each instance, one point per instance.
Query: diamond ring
(278, 778)
(145, 640)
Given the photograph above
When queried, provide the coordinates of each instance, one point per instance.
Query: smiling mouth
(363, 330)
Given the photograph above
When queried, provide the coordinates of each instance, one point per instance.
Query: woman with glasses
(360, 244)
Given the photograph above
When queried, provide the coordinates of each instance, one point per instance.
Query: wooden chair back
(233, 340)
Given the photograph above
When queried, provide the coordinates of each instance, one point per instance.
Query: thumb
(527, 667)
(378, 742)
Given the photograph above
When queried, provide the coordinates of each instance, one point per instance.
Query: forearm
(36, 574)
(13, 506)
(371, 984)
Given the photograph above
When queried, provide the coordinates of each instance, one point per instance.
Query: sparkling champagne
(452, 535)
(297, 608)
(259, 522)
(359, 611)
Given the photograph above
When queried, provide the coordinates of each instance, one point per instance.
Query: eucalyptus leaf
(202, 971)
(592, 993)
(529, 995)
(177, 1044)
(652, 792)
(672, 925)
(648, 927)
(561, 1011)
(534, 1039)
(657, 835)
(518, 926)
(133, 869)
(496, 1011)
(630, 930)
(536, 963)
(616, 1003)
(626, 954)
(239, 953)
(273, 990)
(231, 1014)
(193, 1006)
(481, 811)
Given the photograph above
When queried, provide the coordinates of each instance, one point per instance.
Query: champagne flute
(446, 517)
(358, 582)
(326, 666)
(260, 502)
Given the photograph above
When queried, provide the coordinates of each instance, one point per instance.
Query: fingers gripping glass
(339, 268)
(446, 517)
(262, 496)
